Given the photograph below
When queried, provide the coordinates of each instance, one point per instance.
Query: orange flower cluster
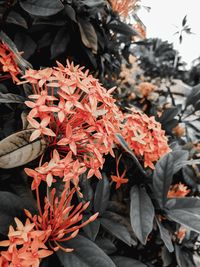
(178, 190)
(145, 89)
(7, 63)
(123, 7)
(77, 116)
(26, 246)
(78, 119)
(145, 137)
(59, 222)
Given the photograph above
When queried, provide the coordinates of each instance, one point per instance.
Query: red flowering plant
(86, 181)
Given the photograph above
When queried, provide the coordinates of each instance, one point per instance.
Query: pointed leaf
(184, 257)
(141, 213)
(184, 20)
(11, 98)
(185, 211)
(14, 18)
(60, 42)
(102, 195)
(42, 8)
(88, 35)
(106, 245)
(92, 228)
(85, 254)
(17, 150)
(23, 64)
(165, 168)
(116, 229)
(25, 44)
(127, 262)
(11, 206)
(165, 236)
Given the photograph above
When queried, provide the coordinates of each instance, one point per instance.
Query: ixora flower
(8, 64)
(178, 190)
(44, 233)
(123, 7)
(119, 179)
(145, 137)
(76, 116)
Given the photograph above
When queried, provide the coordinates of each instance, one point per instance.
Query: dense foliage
(92, 175)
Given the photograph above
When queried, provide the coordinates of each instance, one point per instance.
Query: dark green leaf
(185, 211)
(184, 257)
(23, 64)
(14, 18)
(141, 213)
(102, 195)
(194, 96)
(25, 44)
(70, 12)
(197, 105)
(11, 206)
(42, 8)
(85, 254)
(106, 245)
(169, 114)
(88, 34)
(121, 27)
(17, 150)
(165, 236)
(125, 146)
(93, 3)
(165, 168)
(184, 21)
(11, 98)
(61, 21)
(127, 262)
(117, 230)
(92, 228)
(167, 257)
(60, 43)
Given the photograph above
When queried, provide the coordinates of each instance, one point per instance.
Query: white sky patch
(163, 17)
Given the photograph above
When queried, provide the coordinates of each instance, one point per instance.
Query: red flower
(8, 64)
(119, 179)
(145, 137)
(178, 190)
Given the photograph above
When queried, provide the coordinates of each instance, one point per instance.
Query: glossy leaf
(127, 262)
(11, 98)
(184, 257)
(88, 35)
(60, 43)
(116, 229)
(86, 254)
(25, 44)
(14, 18)
(102, 195)
(23, 64)
(106, 245)
(42, 8)
(185, 211)
(11, 206)
(165, 236)
(17, 150)
(165, 168)
(141, 213)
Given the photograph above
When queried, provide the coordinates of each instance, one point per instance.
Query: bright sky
(163, 17)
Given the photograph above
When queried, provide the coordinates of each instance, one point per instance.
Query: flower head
(8, 63)
(74, 113)
(123, 7)
(178, 190)
(145, 137)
